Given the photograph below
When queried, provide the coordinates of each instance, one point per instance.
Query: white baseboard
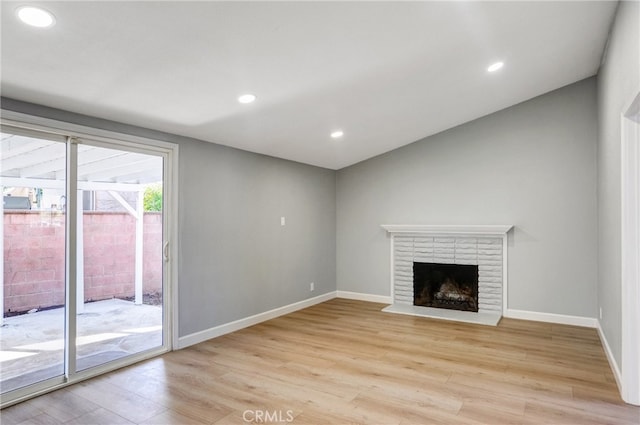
(364, 297)
(612, 360)
(197, 337)
(588, 322)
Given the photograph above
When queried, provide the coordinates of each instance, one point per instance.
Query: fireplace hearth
(449, 286)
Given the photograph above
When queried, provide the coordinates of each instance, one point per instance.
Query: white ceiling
(385, 73)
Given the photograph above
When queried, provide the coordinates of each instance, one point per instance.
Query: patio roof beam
(109, 164)
(114, 172)
(29, 158)
(12, 148)
(138, 214)
(60, 184)
(124, 203)
(141, 177)
(57, 164)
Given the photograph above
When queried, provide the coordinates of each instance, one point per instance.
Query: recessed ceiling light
(35, 16)
(247, 98)
(337, 134)
(496, 66)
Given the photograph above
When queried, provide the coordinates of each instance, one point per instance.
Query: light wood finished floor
(346, 362)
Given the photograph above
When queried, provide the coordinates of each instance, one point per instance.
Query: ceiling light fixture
(35, 16)
(337, 134)
(247, 98)
(496, 66)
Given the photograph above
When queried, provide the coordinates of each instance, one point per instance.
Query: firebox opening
(452, 286)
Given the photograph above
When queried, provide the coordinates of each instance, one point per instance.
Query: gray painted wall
(532, 165)
(618, 84)
(235, 258)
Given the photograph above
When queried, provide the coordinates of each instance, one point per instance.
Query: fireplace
(450, 286)
(482, 297)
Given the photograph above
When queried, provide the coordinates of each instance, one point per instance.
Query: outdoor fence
(34, 257)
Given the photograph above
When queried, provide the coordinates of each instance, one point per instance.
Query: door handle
(165, 251)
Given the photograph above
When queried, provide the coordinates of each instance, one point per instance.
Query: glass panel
(120, 309)
(33, 242)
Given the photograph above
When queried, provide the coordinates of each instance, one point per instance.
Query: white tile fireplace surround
(484, 246)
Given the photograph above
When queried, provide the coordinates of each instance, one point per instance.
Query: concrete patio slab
(32, 345)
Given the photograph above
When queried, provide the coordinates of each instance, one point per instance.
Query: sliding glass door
(119, 270)
(33, 241)
(84, 268)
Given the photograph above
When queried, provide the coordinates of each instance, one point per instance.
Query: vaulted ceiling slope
(385, 73)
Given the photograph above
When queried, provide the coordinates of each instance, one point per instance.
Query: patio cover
(36, 160)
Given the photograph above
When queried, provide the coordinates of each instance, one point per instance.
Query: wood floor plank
(42, 419)
(170, 417)
(347, 362)
(64, 405)
(20, 412)
(100, 416)
(122, 402)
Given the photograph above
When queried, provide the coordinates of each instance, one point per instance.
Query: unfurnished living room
(320, 212)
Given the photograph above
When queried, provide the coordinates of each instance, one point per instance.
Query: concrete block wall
(34, 257)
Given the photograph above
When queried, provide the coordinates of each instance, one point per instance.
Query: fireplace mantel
(449, 229)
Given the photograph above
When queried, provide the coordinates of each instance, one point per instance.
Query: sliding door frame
(169, 152)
